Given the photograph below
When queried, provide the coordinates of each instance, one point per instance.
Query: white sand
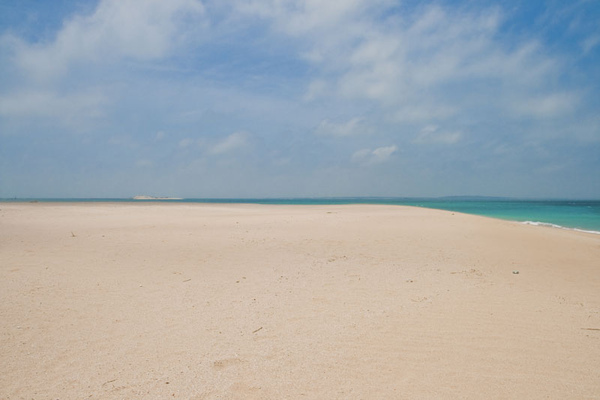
(155, 301)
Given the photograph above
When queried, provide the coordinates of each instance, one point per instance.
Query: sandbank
(210, 301)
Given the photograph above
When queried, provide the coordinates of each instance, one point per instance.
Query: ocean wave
(546, 224)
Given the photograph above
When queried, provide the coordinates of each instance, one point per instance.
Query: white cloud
(407, 69)
(232, 142)
(414, 64)
(117, 29)
(376, 156)
(67, 109)
(590, 43)
(430, 110)
(548, 106)
(316, 88)
(432, 134)
(297, 17)
(54, 79)
(355, 126)
(328, 28)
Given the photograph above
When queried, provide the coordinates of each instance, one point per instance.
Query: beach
(247, 301)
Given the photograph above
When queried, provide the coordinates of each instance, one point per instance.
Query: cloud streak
(355, 126)
(433, 135)
(377, 156)
(235, 141)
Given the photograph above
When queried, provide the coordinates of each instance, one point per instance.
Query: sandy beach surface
(208, 301)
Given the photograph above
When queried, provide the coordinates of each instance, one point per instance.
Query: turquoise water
(573, 214)
(583, 215)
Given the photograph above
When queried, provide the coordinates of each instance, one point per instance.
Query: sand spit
(209, 301)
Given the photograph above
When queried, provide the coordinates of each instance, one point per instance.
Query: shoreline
(155, 300)
(549, 225)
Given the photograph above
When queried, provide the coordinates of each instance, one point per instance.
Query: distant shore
(212, 301)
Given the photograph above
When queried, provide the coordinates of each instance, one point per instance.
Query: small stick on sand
(257, 330)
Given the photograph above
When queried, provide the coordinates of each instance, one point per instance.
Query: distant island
(155, 198)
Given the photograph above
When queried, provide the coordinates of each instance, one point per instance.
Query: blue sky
(273, 98)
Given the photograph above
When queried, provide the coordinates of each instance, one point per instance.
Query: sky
(299, 98)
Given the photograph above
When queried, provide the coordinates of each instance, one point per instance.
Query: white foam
(546, 224)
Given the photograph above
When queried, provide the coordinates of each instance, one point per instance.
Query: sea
(581, 215)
